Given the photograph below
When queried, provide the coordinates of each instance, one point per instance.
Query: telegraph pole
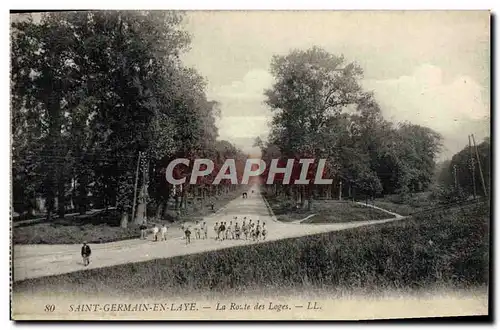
(472, 166)
(145, 186)
(479, 165)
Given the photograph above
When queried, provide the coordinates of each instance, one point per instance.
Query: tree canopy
(320, 110)
(90, 90)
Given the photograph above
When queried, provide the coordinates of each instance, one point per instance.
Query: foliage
(320, 110)
(90, 90)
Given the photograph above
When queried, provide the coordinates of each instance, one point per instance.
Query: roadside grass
(52, 233)
(448, 249)
(104, 226)
(325, 211)
(415, 203)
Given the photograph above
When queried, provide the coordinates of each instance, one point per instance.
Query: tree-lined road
(31, 261)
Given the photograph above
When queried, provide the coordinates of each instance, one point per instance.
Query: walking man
(143, 229)
(86, 254)
(187, 232)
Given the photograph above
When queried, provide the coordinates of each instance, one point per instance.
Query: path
(31, 261)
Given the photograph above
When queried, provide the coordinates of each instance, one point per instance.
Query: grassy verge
(100, 228)
(395, 203)
(448, 249)
(325, 211)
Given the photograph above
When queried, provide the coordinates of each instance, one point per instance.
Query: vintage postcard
(250, 165)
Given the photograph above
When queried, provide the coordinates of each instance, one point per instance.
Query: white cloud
(250, 87)
(242, 127)
(243, 113)
(425, 98)
(452, 108)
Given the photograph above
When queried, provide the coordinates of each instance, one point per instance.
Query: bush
(448, 194)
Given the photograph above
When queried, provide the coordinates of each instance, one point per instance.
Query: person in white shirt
(229, 230)
(244, 229)
(163, 232)
(216, 230)
(237, 231)
(197, 230)
(155, 232)
(205, 230)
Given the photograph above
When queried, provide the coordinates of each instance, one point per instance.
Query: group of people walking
(250, 230)
(159, 233)
(223, 231)
(200, 231)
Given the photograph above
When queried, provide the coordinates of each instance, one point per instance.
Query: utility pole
(472, 166)
(135, 186)
(145, 187)
(479, 165)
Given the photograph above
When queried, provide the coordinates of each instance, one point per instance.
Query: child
(264, 231)
(222, 229)
(155, 232)
(204, 230)
(229, 231)
(237, 231)
(163, 232)
(197, 230)
(216, 230)
(86, 254)
(244, 229)
(257, 231)
(250, 228)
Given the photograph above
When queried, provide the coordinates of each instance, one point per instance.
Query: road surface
(31, 261)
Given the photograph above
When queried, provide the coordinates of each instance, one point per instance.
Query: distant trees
(321, 111)
(90, 90)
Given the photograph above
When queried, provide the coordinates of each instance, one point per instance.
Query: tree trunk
(141, 207)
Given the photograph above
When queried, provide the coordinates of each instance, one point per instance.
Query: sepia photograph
(250, 165)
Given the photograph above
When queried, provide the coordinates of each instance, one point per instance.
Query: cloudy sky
(430, 68)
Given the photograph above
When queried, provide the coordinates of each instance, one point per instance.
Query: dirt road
(31, 261)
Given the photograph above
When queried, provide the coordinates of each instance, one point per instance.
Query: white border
(191, 5)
